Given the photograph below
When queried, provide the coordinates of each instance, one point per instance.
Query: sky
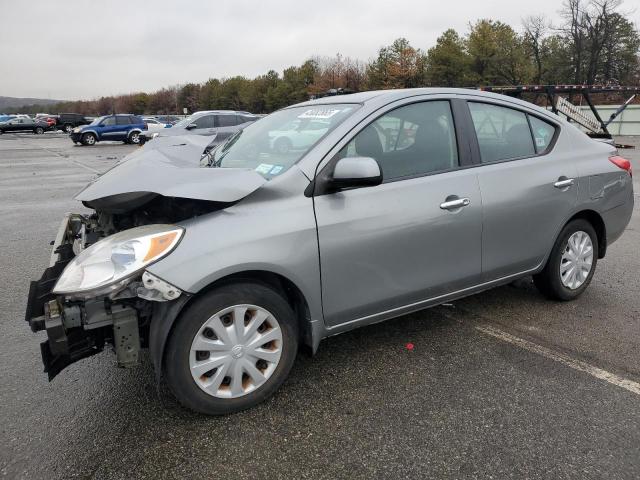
(83, 49)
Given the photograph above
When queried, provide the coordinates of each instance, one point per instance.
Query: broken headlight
(108, 265)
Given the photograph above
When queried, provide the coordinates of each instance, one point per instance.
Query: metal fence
(627, 123)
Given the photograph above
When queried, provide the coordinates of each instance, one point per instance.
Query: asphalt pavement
(504, 384)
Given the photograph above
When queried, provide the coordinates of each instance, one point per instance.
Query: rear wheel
(88, 139)
(231, 349)
(134, 138)
(572, 262)
(68, 128)
(39, 131)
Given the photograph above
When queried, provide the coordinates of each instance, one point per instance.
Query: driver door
(392, 247)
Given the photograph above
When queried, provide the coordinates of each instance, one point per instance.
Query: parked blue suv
(122, 128)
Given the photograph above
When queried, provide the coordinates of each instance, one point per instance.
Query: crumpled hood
(170, 166)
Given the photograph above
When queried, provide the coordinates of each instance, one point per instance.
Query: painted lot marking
(633, 387)
(66, 157)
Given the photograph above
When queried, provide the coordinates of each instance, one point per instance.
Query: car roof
(388, 96)
(229, 112)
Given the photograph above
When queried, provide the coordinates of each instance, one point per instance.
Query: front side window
(412, 140)
(274, 143)
(109, 121)
(205, 121)
(503, 133)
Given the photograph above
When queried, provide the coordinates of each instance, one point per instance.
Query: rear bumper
(616, 219)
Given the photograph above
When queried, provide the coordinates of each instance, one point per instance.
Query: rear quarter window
(543, 133)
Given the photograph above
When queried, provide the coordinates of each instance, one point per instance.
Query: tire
(67, 128)
(88, 139)
(550, 281)
(39, 131)
(282, 145)
(272, 314)
(134, 138)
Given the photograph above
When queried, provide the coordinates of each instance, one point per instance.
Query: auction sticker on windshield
(319, 113)
(264, 168)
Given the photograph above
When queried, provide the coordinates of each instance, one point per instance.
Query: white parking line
(66, 157)
(633, 387)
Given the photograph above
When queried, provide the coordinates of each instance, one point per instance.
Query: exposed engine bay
(78, 327)
(151, 191)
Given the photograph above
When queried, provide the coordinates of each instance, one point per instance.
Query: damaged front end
(96, 290)
(80, 324)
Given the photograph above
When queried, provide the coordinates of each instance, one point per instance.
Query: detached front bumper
(77, 329)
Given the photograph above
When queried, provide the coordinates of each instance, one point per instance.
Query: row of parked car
(216, 124)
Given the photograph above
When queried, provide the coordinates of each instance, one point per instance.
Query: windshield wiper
(227, 145)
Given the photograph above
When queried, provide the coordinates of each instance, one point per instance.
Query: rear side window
(123, 121)
(413, 140)
(543, 133)
(503, 133)
(226, 121)
(135, 120)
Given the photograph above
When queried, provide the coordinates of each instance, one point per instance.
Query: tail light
(622, 163)
(146, 126)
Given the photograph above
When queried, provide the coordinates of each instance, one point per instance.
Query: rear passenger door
(123, 123)
(527, 189)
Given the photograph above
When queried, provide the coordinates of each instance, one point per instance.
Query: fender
(162, 320)
(90, 131)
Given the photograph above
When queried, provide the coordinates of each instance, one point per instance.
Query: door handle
(454, 204)
(564, 183)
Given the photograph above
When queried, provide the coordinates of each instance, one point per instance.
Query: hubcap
(577, 260)
(135, 138)
(235, 351)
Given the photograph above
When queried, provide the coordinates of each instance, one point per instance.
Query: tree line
(593, 42)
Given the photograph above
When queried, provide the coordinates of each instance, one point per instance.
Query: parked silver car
(220, 124)
(408, 198)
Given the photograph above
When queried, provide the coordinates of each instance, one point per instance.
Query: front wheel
(88, 139)
(39, 131)
(68, 128)
(572, 262)
(231, 349)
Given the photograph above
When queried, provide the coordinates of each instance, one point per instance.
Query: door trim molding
(422, 304)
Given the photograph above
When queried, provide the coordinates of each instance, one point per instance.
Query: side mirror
(352, 172)
(191, 126)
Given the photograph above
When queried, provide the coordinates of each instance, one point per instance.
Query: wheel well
(289, 290)
(596, 221)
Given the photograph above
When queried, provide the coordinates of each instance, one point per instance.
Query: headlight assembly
(107, 265)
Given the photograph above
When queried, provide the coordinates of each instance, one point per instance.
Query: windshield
(96, 121)
(273, 144)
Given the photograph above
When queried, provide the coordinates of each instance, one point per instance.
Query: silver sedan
(398, 200)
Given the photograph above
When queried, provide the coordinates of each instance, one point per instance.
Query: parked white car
(154, 125)
(300, 133)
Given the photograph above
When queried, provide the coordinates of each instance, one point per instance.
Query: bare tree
(536, 28)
